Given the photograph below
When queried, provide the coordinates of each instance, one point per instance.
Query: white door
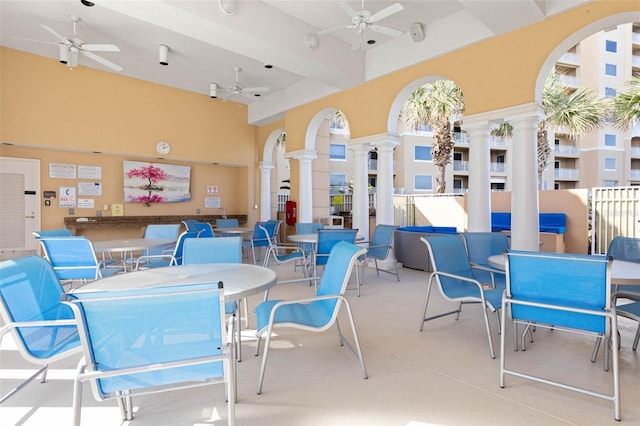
(19, 206)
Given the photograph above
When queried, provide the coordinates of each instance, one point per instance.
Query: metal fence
(614, 212)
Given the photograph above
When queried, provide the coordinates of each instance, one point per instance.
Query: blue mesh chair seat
(562, 292)
(168, 258)
(205, 228)
(316, 313)
(379, 249)
(453, 276)
(152, 340)
(42, 328)
(481, 245)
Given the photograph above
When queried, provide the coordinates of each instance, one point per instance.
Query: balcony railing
(570, 58)
(634, 173)
(634, 151)
(497, 168)
(566, 174)
(635, 61)
(566, 150)
(569, 80)
(498, 141)
(460, 166)
(460, 138)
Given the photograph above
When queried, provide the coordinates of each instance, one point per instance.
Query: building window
(609, 92)
(422, 153)
(337, 151)
(611, 46)
(610, 183)
(609, 163)
(423, 182)
(609, 140)
(610, 69)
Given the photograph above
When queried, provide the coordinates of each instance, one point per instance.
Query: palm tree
(626, 105)
(439, 105)
(579, 112)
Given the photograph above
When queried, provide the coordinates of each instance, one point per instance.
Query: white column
(305, 190)
(360, 208)
(479, 210)
(384, 207)
(265, 190)
(524, 196)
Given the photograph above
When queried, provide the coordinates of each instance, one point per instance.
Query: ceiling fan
(71, 45)
(238, 89)
(364, 19)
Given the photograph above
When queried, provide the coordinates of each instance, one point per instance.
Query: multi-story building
(604, 62)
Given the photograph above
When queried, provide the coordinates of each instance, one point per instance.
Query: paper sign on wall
(67, 196)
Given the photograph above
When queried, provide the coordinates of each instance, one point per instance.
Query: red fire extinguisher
(291, 212)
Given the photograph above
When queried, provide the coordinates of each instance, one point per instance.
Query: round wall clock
(163, 148)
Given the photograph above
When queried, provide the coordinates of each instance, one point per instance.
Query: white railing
(634, 151)
(566, 173)
(460, 138)
(569, 58)
(344, 202)
(634, 173)
(614, 212)
(282, 201)
(499, 141)
(461, 166)
(497, 168)
(566, 150)
(569, 80)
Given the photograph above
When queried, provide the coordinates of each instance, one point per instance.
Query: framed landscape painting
(156, 183)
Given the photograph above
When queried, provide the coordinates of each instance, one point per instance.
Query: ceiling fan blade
(255, 89)
(36, 41)
(347, 9)
(100, 47)
(332, 29)
(387, 11)
(102, 60)
(56, 35)
(391, 32)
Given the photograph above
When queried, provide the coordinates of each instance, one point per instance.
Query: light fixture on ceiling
(87, 3)
(64, 54)
(311, 41)
(213, 90)
(268, 66)
(417, 31)
(228, 7)
(72, 60)
(164, 54)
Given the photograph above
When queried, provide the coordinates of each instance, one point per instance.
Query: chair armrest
(170, 257)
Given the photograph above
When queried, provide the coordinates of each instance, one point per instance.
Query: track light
(164, 54)
(311, 41)
(213, 90)
(87, 3)
(64, 54)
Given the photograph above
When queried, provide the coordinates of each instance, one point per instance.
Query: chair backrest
(150, 327)
(572, 281)
(276, 228)
(30, 292)
(381, 241)
(625, 248)
(308, 228)
(195, 225)
(447, 254)
(337, 272)
(179, 248)
(481, 245)
(163, 232)
(262, 231)
(227, 223)
(72, 258)
(61, 232)
(212, 250)
(328, 238)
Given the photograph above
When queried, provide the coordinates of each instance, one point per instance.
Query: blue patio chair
(219, 250)
(281, 253)
(379, 248)
(453, 276)
(74, 259)
(42, 328)
(308, 228)
(151, 340)
(205, 228)
(275, 234)
(563, 292)
(168, 231)
(259, 238)
(60, 232)
(317, 313)
(481, 245)
(166, 259)
(327, 238)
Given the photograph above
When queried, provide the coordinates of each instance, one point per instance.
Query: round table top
(622, 272)
(239, 279)
(232, 230)
(312, 238)
(129, 244)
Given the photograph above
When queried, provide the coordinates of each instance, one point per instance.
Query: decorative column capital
(303, 155)
(266, 165)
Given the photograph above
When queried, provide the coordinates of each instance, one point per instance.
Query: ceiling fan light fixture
(213, 90)
(164, 55)
(311, 41)
(228, 7)
(73, 58)
(87, 3)
(64, 54)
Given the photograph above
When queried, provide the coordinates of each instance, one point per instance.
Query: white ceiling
(206, 44)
